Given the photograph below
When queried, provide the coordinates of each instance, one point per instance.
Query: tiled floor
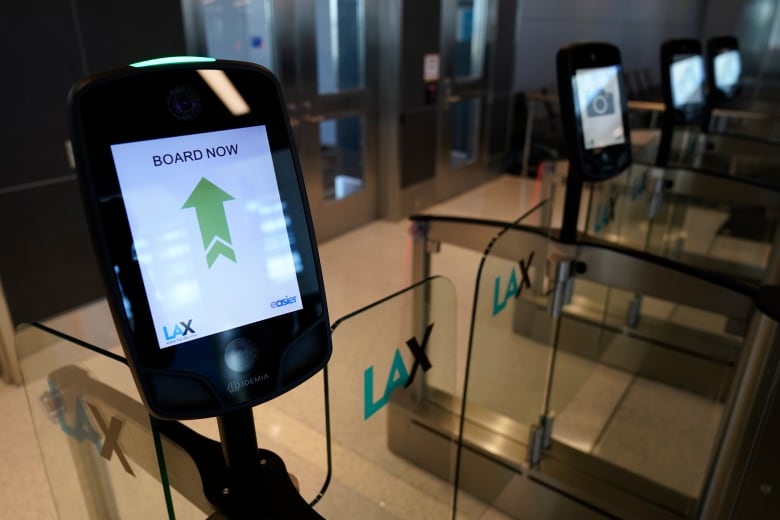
(359, 268)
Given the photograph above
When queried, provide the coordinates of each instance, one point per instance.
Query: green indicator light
(170, 60)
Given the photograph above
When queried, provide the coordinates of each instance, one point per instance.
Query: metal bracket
(562, 285)
(539, 439)
(634, 311)
(657, 195)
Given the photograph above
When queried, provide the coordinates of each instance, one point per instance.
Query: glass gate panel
(390, 381)
(509, 359)
(99, 444)
(722, 224)
(593, 364)
(650, 389)
(366, 420)
(95, 436)
(615, 209)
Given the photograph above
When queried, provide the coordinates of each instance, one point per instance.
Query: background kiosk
(692, 91)
(682, 85)
(595, 120)
(724, 71)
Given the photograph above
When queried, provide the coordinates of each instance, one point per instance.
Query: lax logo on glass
(398, 375)
(513, 289)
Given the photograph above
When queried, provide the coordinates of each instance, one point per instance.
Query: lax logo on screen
(208, 199)
(179, 330)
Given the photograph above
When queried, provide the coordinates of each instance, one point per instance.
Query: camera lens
(184, 103)
(600, 104)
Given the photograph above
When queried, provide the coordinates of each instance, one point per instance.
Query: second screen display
(599, 106)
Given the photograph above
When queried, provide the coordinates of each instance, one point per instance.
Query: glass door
(317, 49)
(337, 126)
(462, 158)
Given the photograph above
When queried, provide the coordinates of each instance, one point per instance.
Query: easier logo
(287, 300)
(398, 375)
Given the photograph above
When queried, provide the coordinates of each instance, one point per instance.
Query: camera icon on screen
(602, 104)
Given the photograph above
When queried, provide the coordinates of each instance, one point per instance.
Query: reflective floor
(608, 415)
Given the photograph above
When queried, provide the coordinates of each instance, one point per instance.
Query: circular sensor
(240, 355)
(184, 103)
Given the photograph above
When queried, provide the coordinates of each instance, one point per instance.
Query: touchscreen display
(727, 67)
(687, 77)
(209, 231)
(599, 106)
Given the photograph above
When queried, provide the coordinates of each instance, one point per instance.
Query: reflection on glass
(341, 146)
(465, 132)
(240, 30)
(339, 28)
(470, 28)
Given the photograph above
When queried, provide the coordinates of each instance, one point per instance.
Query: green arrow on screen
(208, 200)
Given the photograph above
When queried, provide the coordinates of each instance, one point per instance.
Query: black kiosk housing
(724, 67)
(197, 208)
(683, 87)
(196, 204)
(594, 111)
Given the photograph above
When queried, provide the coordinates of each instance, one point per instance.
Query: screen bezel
(597, 163)
(129, 105)
(678, 58)
(716, 46)
(672, 51)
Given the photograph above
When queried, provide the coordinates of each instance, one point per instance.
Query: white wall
(637, 27)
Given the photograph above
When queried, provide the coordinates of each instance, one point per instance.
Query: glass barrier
(505, 386)
(721, 224)
(606, 381)
(91, 397)
(648, 392)
(390, 379)
(95, 437)
(743, 156)
(390, 361)
(758, 166)
(615, 212)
